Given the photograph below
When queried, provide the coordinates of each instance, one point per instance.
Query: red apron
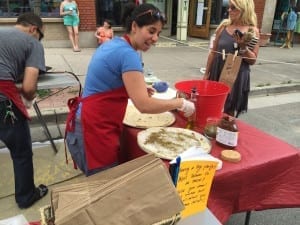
(102, 120)
(9, 89)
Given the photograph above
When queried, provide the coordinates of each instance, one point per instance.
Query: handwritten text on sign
(193, 185)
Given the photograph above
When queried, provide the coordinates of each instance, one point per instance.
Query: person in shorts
(69, 11)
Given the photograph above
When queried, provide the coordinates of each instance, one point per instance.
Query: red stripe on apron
(9, 89)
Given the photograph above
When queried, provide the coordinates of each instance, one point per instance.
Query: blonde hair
(248, 15)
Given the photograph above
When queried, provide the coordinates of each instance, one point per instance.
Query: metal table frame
(51, 80)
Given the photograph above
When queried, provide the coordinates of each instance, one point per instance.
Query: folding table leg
(41, 119)
(247, 219)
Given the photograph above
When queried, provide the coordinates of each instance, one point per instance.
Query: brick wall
(259, 9)
(87, 15)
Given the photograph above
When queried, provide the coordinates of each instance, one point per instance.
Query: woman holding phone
(237, 33)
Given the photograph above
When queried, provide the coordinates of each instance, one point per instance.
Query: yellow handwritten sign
(193, 184)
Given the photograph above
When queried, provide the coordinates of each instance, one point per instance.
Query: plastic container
(210, 99)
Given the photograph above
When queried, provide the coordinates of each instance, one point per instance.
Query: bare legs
(288, 40)
(291, 36)
(74, 37)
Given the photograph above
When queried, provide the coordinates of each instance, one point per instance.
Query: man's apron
(101, 120)
(9, 89)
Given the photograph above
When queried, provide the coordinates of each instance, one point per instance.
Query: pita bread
(169, 142)
(136, 119)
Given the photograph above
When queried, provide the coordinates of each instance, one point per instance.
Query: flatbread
(134, 118)
(169, 142)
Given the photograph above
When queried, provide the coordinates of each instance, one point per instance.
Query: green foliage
(43, 93)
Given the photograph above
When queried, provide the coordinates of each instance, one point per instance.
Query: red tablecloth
(267, 177)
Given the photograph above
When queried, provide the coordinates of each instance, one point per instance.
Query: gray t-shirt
(18, 50)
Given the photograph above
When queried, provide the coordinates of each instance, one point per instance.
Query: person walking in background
(115, 73)
(290, 27)
(242, 17)
(69, 11)
(105, 32)
(21, 59)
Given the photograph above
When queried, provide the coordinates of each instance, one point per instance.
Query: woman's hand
(150, 91)
(188, 108)
(240, 39)
(205, 77)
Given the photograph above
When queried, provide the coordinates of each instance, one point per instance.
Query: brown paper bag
(138, 192)
(230, 70)
(99, 178)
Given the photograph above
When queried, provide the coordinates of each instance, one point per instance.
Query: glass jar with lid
(227, 132)
(210, 129)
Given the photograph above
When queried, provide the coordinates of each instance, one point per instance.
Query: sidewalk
(276, 70)
(173, 60)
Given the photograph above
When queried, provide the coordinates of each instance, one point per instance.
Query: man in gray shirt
(21, 60)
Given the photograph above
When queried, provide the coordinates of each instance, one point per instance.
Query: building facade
(195, 18)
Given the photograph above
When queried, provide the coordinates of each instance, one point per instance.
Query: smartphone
(238, 33)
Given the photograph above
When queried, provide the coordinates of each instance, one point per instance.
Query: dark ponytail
(128, 9)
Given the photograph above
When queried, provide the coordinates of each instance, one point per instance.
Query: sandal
(39, 193)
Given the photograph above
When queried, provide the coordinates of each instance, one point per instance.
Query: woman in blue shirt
(115, 73)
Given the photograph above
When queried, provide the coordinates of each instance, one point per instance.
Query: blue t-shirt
(291, 20)
(107, 65)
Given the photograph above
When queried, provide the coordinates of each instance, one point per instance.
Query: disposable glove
(188, 108)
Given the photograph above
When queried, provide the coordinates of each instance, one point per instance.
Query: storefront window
(282, 7)
(161, 4)
(50, 8)
(218, 11)
(113, 9)
(46, 8)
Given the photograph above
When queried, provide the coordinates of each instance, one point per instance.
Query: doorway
(174, 17)
(199, 18)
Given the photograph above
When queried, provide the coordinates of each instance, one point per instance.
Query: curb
(58, 115)
(274, 89)
(52, 117)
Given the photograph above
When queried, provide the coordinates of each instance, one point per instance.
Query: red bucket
(210, 100)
